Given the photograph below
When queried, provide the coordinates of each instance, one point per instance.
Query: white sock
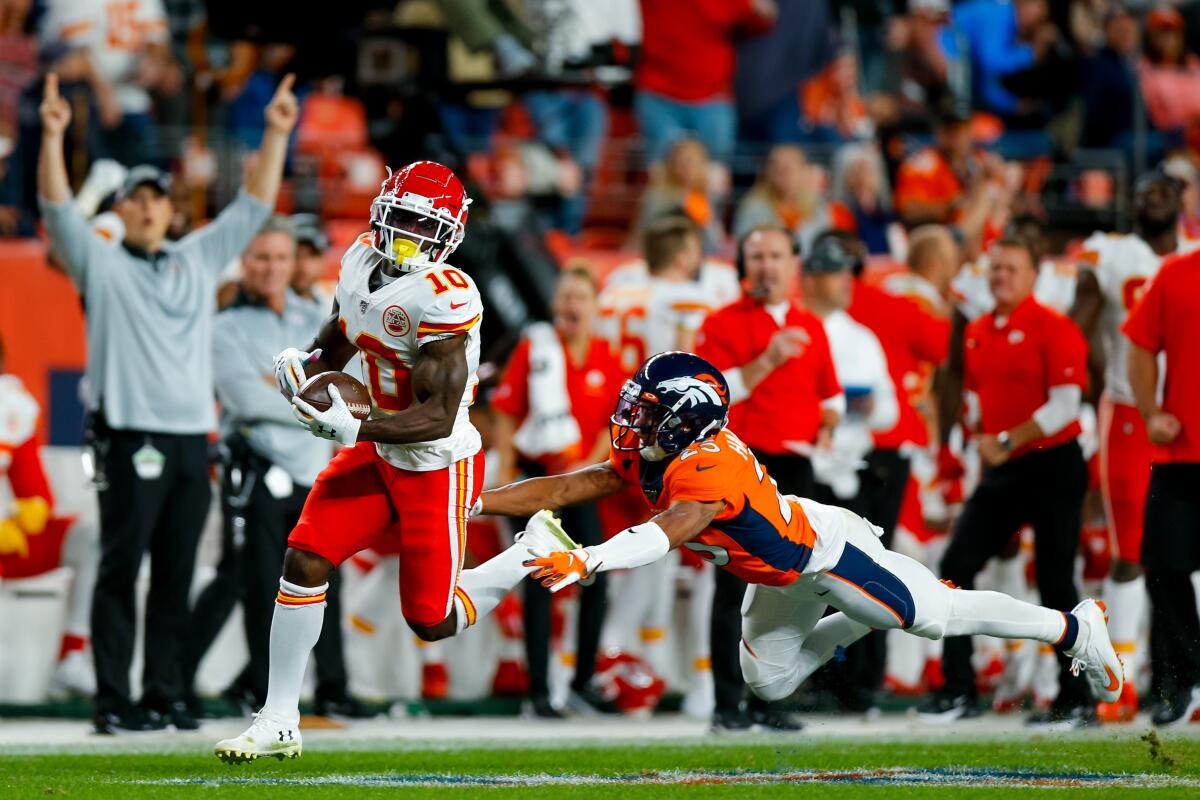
(430, 652)
(295, 628)
(700, 615)
(485, 586)
(996, 614)
(1126, 602)
(81, 551)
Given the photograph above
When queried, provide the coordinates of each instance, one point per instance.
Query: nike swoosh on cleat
(700, 468)
(1113, 682)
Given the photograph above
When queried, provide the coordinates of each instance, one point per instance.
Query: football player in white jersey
(664, 308)
(1116, 269)
(407, 477)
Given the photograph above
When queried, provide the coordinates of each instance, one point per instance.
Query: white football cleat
(73, 677)
(1093, 653)
(266, 738)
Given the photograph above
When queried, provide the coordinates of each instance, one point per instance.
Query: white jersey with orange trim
(1123, 265)
(389, 325)
(718, 279)
(918, 289)
(641, 318)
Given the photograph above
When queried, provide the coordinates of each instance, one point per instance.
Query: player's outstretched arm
(524, 498)
(336, 350)
(631, 548)
(439, 378)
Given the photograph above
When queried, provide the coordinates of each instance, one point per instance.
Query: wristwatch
(1005, 441)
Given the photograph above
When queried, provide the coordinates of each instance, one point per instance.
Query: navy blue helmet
(673, 400)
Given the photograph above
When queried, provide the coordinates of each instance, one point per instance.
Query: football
(315, 392)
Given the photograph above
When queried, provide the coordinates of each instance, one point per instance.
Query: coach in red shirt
(785, 398)
(566, 372)
(1025, 371)
(1167, 320)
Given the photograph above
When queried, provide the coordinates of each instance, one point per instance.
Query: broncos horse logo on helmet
(672, 401)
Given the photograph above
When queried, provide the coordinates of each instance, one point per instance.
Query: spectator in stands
(952, 183)
(788, 193)
(1001, 38)
(130, 57)
(774, 354)
(1164, 322)
(687, 183)
(149, 376)
(271, 466)
(833, 110)
(1025, 367)
(918, 68)
(1108, 84)
(860, 187)
(553, 402)
(684, 80)
(1170, 75)
(491, 26)
(772, 67)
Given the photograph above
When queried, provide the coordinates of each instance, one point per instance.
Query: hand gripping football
(315, 392)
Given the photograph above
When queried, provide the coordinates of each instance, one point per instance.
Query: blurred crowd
(639, 170)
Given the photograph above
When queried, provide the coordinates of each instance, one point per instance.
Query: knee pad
(768, 681)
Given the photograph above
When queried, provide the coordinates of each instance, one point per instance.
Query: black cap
(309, 231)
(145, 175)
(830, 255)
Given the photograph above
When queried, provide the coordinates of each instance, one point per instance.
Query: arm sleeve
(512, 395)
(72, 238)
(633, 547)
(1144, 326)
(247, 391)
(1060, 410)
(224, 239)
(450, 313)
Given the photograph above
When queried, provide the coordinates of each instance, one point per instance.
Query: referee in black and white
(149, 390)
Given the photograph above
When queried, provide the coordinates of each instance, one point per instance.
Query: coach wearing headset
(785, 400)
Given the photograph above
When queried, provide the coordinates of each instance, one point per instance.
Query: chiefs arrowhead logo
(395, 321)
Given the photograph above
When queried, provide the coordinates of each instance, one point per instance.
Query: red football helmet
(419, 216)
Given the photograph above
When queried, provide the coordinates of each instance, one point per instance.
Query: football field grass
(1131, 763)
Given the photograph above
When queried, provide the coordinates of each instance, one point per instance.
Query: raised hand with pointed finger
(55, 111)
(284, 109)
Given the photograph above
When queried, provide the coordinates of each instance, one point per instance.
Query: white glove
(289, 369)
(337, 423)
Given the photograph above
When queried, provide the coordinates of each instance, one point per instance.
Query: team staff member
(272, 463)
(775, 355)
(554, 402)
(1025, 371)
(150, 305)
(1167, 320)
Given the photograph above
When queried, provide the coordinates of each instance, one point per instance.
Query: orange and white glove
(559, 570)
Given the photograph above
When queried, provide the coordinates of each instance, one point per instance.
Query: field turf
(1128, 764)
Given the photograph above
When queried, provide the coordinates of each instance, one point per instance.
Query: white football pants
(785, 639)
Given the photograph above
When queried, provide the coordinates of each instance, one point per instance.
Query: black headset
(739, 257)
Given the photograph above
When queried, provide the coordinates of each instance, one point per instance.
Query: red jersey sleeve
(826, 376)
(1066, 355)
(512, 395)
(1144, 325)
(970, 343)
